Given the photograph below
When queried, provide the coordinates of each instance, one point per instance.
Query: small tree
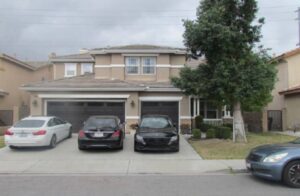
(237, 72)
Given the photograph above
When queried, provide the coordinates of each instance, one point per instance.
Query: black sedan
(156, 133)
(101, 132)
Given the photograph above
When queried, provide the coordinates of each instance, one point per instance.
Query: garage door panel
(77, 112)
(161, 108)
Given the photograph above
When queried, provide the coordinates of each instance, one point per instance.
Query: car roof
(38, 118)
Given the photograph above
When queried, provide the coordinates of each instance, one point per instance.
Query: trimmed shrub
(204, 127)
(228, 125)
(211, 133)
(223, 132)
(196, 133)
(198, 121)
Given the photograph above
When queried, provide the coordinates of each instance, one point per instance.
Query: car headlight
(275, 157)
(174, 139)
(140, 139)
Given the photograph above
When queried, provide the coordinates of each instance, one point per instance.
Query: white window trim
(139, 66)
(160, 98)
(82, 65)
(70, 64)
(142, 65)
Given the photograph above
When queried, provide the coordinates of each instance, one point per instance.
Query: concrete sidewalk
(67, 159)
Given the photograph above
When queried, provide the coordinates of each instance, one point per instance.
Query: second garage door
(161, 108)
(77, 112)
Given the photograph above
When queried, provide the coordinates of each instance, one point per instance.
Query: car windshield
(156, 122)
(29, 124)
(297, 141)
(101, 123)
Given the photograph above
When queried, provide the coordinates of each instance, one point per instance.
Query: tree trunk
(239, 133)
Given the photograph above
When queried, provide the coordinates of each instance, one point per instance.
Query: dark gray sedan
(279, 162)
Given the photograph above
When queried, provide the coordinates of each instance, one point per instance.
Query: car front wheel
(291, 174)
(70, 133)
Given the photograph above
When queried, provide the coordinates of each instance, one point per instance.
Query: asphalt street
(140, 185)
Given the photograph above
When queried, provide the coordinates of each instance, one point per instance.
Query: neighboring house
(127, 81)
(14, 103)
(284, 111)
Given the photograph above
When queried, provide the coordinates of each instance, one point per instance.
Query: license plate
(98, 134)
(23, 134)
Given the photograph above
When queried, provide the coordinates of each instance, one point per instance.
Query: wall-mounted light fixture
(132, 103)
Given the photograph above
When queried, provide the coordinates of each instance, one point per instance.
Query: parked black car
(156, 133)
(101, 132)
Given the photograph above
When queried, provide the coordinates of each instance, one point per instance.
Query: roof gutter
(145, 89)
(108, 51)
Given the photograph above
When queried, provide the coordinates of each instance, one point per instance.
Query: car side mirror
(174, 125)
(136, 126)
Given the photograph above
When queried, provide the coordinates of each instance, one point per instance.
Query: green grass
(2, 142)
(226, 149)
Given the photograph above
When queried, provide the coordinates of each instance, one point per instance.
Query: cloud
(32, 28)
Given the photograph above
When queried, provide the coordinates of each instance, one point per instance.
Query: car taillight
(8, 132)
(117, 133)
(81, 134)
(40, 132)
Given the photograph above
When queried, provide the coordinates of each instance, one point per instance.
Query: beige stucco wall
(281, 84)
(294, 70)
(59, 70)
(293, 110)
(12, 77)
(117, 71)
(177, 59)
(43, 73)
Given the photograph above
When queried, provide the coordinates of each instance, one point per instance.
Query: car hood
(274, 148)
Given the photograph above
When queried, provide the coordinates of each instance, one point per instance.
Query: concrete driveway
(66, 158)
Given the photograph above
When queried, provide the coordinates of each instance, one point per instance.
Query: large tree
(238, 71)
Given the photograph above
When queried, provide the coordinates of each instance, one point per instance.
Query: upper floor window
(70, 69)
(140, 65)
(132, 65)
(148, 64)
(86, 68)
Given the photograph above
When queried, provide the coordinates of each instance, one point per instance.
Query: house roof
(138, 48)
(39, 64)
(82, 57)
(290, 91)
(89, 83)
(16, 61)
(288, 54)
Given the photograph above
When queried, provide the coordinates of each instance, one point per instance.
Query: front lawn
(2, 142)
(226, 149)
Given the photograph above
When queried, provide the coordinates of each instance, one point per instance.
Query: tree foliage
(226, 33)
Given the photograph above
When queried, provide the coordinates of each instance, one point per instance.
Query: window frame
(142, 65)
(85, 64)
(68, 65)
(127, 65)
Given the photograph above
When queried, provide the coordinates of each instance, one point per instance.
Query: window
(207, 109)
(132, 65)
(86, 68)
(70, 69)
(149, 65)
(143, 65)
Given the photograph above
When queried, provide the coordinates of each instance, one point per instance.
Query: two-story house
(284, 111)
(14, 103)
(127, 81)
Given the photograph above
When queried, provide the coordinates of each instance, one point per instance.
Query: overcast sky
(32, 29)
